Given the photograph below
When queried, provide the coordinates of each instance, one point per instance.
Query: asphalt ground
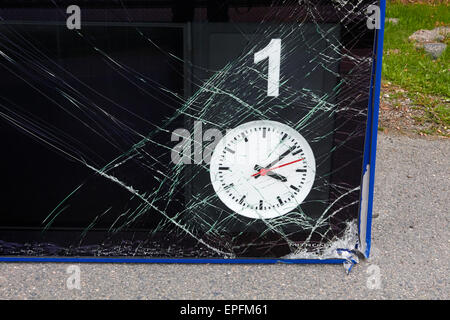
(410, 256)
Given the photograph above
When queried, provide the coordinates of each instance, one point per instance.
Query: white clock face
(262, 169)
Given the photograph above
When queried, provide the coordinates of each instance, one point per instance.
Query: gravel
(411, 241)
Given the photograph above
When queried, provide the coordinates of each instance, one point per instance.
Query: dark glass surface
(87, 118)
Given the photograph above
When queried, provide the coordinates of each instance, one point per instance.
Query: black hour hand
(277, 176)
(270, 174)
(257, 168)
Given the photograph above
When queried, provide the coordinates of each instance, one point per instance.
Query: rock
(392, 20)
(435, 50)
(423, 36)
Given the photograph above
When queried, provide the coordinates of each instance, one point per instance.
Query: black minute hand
(281, 157)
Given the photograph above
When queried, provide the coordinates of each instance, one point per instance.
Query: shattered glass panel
(110, 129)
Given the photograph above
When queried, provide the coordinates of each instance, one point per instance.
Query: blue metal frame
(369, 159)
(175, 260)
(372, 123)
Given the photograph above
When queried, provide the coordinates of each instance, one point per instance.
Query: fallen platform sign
(190, 131)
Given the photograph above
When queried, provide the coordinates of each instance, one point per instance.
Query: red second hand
(264, 171)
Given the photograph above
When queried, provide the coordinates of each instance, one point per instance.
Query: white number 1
(273, 52)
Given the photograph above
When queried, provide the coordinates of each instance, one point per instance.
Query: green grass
(406, 66)
(412, 68)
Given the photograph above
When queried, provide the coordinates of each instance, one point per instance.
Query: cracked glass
(183, 129)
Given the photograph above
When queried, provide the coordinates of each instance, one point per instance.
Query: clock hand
(277, 176)
(264, 171)
(284, 154)
(271, 174)
(281, 157)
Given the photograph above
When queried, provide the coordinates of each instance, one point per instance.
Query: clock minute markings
(228, 186)
(279, 200)
(229, 150)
